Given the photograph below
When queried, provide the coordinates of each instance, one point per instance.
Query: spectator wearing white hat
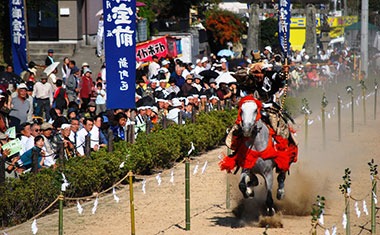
(198, 67)
(63, 137)
(20, 107)
(174, 112)
(205, 63)
(43, 94)
(267, 53)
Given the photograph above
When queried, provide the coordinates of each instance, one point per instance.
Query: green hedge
(23, 198)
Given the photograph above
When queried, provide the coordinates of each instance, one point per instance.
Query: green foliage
(373, 168)
(23, 198)
(345, 187)
(268, 32)
(317, 208)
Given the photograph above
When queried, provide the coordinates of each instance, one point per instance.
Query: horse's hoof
(243, 189)
(270, 212)
(280, 193)
(250, 192)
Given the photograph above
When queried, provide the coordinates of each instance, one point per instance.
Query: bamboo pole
(132, 203)
(373, 206)
(60, 216)
(323, 128)
(228, 187)
(364, 107)
(187, 193)
(352, 114)
(306, 128)
(374, 113)
(339, 119)
(347, 211)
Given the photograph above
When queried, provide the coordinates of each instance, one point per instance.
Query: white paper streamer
(365, 210)
(344, 220)
(220, 156)
(327, 232)
(158, 178)
(309, 122)
(374, 197)
(329, 116)
(319, 118)
(357, 210)
(333, 110)
(192, 148)
(143, 186)
(348, 191)
(333, 230)
(95, 206)
(195, 171)
(172, 177)
(115, 197)
(121, 165)
(204, 167)
(80, 208)
(65, 183)
(34, 227)
(321, 220)
(4, 233)
(348, 105)
(357, 102)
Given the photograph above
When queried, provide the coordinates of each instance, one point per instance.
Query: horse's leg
(281, 185)
(268, 176)
(245, 184)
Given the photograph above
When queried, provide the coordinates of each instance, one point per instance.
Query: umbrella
(225, 77)
(99, 13)
(9, 78)
(140, 4)
(225, 52)
(208, 74)
(48, 70)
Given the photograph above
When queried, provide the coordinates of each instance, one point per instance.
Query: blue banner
(284, 25)
(18, 35)
(120, 52)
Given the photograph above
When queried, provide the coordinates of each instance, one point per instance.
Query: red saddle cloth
(279, 150)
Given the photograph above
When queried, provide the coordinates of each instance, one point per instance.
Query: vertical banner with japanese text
(120, 52)
(284, 15)
(18, 35)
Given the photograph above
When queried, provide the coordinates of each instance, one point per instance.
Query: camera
(19, 163)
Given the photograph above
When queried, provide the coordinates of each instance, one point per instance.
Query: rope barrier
(100, 193)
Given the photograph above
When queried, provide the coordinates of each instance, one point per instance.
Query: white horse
(258, 140)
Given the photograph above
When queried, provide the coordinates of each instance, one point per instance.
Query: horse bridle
(254, 129)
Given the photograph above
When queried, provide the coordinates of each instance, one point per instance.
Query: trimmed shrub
(23, 198)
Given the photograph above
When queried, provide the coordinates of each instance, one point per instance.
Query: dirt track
(318, 171)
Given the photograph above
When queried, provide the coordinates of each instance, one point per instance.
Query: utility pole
(364, 37)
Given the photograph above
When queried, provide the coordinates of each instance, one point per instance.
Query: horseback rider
(266, 86)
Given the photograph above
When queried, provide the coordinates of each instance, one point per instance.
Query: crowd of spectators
(65, 106)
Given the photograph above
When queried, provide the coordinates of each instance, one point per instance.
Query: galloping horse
(260, 151)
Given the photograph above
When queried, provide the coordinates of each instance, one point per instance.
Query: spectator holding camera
(25, 162)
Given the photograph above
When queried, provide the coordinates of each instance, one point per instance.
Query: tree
(224, 26)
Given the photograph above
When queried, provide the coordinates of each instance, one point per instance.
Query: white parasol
(48, 70)
(99, 13)
(225, 77)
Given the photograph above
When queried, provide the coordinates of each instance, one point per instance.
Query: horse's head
(248, 117)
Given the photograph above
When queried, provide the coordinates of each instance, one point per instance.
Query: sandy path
(319, 171)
